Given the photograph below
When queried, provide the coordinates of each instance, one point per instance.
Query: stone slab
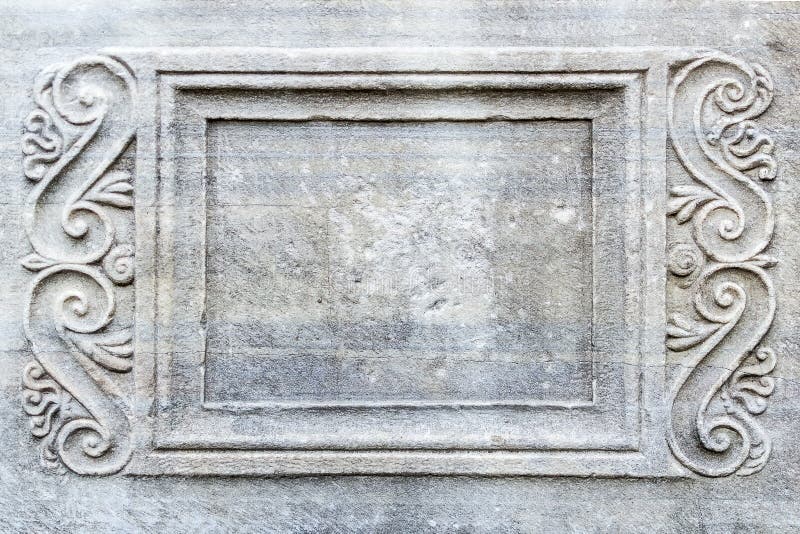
(546, 247)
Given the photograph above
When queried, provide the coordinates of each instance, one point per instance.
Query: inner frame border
(652, 459)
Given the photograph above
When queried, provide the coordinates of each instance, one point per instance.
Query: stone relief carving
(71, 142)
(82, 126)
(722, 383)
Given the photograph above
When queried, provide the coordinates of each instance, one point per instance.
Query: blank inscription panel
(415, 260)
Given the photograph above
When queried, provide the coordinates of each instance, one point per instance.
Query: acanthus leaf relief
(722, 381)
(72, 142)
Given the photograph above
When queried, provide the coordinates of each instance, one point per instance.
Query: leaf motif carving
(684, 333)
(733, 295)
(42, 144)
(686, 200)
(113, 189)
(43, 398)
(764, 261)
(110, 350)
(34, 262)
(746, 148)
(750, 384)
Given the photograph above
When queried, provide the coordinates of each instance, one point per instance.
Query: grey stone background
(34, 34)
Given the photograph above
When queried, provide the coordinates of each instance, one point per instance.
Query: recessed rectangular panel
(390, 262)
(438, 261)
(402, 262)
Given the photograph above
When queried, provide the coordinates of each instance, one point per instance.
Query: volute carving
(81, 127)
(722, 381)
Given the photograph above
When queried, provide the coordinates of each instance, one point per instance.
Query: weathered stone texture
(532, 264)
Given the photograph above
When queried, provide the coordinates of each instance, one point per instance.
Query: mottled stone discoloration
(333, 278)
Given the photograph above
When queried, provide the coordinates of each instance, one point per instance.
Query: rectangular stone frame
(175, 433)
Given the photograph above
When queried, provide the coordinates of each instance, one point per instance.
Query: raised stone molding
(101, 407)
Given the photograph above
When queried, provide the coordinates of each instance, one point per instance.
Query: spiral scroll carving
(722, 383)
(72, 141)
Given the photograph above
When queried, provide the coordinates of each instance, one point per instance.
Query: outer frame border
(193, 426)
(653, 458)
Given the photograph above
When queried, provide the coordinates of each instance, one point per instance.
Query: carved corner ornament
(74, 390)
(722, 382)
(72, 141)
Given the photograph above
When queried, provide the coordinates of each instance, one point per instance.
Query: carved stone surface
(333, 257)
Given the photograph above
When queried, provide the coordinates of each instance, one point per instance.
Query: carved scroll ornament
(722, 381)
(81, 127)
